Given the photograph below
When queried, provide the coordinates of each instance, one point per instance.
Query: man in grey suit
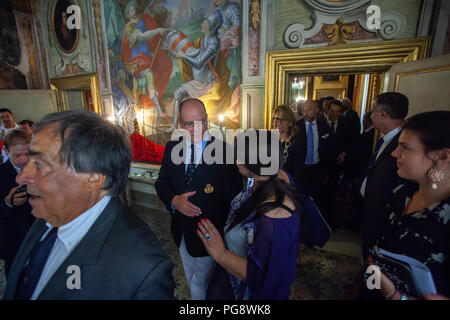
(84, 243)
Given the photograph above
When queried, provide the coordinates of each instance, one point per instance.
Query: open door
(424, 82)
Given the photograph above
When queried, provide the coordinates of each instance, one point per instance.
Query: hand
(341, 158)
(214, 245)
(182, 204)
(388, 289)
(179, 54)
(16, 200)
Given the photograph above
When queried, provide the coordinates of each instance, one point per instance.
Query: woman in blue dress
(256, 260)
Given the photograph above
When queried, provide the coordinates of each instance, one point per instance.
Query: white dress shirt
(69, 235)
(386, 139)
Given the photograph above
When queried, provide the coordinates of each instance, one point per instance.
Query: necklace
(287, 145)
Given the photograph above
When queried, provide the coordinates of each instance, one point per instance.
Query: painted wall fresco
(161, 52)
(19, 54)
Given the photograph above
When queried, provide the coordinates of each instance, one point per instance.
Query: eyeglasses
(279, 119)
(191, 124)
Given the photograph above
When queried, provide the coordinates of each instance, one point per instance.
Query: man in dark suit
(84, 244)
(354, 129)
(194, 190)
(15, 212)
(336, 156)
(389, 111)
(365, 150)
(313, 133)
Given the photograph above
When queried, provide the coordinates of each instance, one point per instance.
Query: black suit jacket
(119, 259)
(365, 150)
(226, 183)
(337, 142)
(382, 178)
(353, 123)
(14, 222)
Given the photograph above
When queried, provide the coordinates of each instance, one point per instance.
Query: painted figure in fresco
(143, 57)
(229, 35)
(202, 62)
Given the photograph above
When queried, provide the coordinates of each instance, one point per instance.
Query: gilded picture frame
(368, 57)
(65, 39)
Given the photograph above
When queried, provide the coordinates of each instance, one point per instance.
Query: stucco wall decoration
(340, 22)
(70, 50)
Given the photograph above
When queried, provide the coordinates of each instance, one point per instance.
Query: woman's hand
(211, 238)
(388, 289)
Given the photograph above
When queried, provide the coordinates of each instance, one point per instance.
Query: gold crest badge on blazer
(209, 188)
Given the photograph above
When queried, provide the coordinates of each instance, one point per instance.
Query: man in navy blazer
(191, 193)
(15, 212)
(85, 244)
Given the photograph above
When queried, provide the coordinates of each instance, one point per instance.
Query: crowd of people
(237, 225)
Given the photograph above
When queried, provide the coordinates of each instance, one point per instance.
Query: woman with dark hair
(419, 223)
(257, 258)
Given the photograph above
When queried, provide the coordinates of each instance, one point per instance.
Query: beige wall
(28, 104)
(424, 82)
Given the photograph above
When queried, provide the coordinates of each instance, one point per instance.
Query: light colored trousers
(197, 270)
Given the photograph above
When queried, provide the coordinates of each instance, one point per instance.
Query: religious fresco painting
(18, 61)
(161, 52)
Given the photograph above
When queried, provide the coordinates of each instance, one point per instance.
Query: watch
(404, 297)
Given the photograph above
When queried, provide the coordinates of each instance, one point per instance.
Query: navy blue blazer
(215, 185)
(14, 222)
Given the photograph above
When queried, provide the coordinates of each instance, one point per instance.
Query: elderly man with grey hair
(84, 244)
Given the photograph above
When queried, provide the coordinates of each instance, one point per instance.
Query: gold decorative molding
(339, 32)
(371, 57)
(83, 82)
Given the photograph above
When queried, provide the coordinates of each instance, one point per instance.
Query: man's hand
(16, 200)
(182, 204)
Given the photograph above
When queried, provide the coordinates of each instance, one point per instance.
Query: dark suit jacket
(324, 133)
(365, 150)
(353, 123)
(295, 162)
(382, 178)
(337, 143)
(225, 181)
(119, 258)
(354, 127)
(14, 222)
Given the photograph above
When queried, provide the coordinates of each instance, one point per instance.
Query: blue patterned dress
(270, 246)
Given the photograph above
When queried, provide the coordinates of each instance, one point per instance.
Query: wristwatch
(404, 297)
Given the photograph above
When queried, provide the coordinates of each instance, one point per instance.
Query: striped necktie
(190, 169)
(32, 272)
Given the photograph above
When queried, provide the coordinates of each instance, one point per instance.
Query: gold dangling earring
(436, 175)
